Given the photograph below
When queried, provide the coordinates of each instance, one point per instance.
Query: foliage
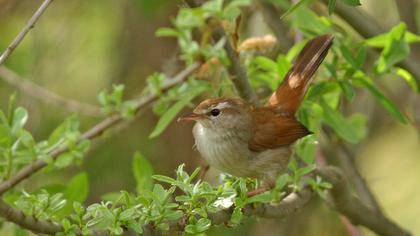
(183, 202)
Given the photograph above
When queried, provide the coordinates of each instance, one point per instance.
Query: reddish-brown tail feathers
(291, 91)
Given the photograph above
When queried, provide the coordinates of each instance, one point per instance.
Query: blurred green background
(80, 47)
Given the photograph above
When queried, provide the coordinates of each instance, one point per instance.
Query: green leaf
(167, 32)
(353, 3)
(408, 77)
(69, 125)
(20, 116)
(306, 148)
(232, 9)
(163, 178)
(78, 188)
(389, 106)
(264, 197)
(293, 8)
(347, 88)
(170, 114)
(352, 130)
(395, 50)
(143, 172)
(331, 6)
(281, 181)
(381, 41)
(345, 52)
(202, 225)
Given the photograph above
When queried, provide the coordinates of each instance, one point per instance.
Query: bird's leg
(203, 170)
(266, 186)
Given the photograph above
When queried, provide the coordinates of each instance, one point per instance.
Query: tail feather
(291, 91)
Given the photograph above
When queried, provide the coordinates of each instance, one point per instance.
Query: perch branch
(29, 25)
(341, 195)
(45, 95)
(95, 131)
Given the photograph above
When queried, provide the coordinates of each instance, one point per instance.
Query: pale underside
(228, 155)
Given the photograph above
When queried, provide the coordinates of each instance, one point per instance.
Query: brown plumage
(276, 124)
(239, 139)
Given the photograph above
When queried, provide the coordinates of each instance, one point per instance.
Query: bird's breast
(223, 150)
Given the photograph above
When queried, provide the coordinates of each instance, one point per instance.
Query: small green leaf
(353, 3)
(20, 116)
(395, 50)
(347, 88)
(293, 8)
(167, 32)
(389, 106)
(331, 6)
(202, 225)
(163, 178)
(78, 188)
(348, 56)
(352, 130)
(408, 77)
(236, 216)
(281, 181)
(264, 197)
(170, 114)
(306, 148)
(143, 172)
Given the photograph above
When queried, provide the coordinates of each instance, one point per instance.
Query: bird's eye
(215, 112)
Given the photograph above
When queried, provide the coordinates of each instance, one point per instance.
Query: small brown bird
(247, 141)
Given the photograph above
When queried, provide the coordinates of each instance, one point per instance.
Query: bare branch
(95, 131)
(29, 25)
(45, 95)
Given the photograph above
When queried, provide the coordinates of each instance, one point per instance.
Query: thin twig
(237, 72)
(29, 88)
(95, 131)
(29, 25)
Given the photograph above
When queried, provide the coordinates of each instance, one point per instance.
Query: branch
(368, 27)
(237, 72)
(95, 131)
(354, 209)
(29, 25)
(280, 29)
(289, 205)
(341, 195)
(28, 222)
(337, 154)
(45, 95)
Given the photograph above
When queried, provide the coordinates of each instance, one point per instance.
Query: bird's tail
(289, 94)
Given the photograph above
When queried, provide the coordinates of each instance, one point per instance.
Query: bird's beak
(191, 117)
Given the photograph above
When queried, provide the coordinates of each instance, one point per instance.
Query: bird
(246, 141)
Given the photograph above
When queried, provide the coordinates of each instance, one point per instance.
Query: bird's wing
(273, 129)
